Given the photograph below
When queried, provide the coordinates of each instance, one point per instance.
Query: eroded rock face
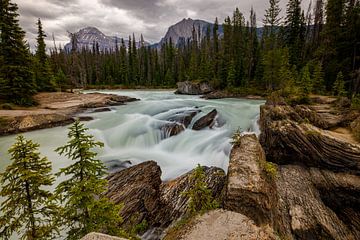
(206, 121)
(138, 188)
(172, 129)
(222, 224)
(249, 189)
(304, 213)
(193, 88)
(100, 236)
(174, 204)
(287, 140)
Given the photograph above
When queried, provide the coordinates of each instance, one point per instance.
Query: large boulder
(193, 88)
(206, 121)
(138, 188)
(250, 189)
(222, 224)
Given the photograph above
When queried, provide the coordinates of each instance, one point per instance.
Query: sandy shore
(54, 109)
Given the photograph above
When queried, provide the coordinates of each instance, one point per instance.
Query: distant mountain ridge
(89, 36)
(179, 34)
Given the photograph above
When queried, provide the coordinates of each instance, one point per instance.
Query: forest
(307, 51)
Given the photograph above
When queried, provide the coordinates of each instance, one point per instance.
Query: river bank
(54, 109)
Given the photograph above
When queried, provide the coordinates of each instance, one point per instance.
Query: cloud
(124, 17)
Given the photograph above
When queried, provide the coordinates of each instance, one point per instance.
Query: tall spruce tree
(28, 209)
(43, 74)
(16, 78)
(85, 208)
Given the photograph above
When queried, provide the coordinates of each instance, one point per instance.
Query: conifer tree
(16, 79)
(28, 209)
(85, 209)
(43, 75)
(306, 84)
(318, 79)
(339, 85)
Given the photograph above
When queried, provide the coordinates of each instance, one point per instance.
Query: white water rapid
(132, 133)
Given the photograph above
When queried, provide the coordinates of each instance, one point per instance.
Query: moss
(312, 133)
(180, 227)
(270, 169)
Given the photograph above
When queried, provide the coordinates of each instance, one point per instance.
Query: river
(132, 132)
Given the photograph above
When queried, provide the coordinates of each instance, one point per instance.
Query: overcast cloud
(124, 17)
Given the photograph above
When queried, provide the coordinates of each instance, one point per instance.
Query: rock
(303, 212)
(172, 129)
(117, 165)
(174, 204)
(250, 190)
(105, 109)
(138, 188)
(184, 118)
(206, 121)
(222, 224)
(100, 236)
(193, 88)
(286, 141)
(84, 118)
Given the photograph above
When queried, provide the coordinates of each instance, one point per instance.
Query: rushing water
(133, 132)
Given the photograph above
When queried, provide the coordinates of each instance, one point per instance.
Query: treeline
(312, 51)
(316, 50)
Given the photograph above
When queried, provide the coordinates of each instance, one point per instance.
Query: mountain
(86, 38)
(182, 31)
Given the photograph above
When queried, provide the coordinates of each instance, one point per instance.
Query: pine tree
(271, 24)
(28, 208)
(318, 79)
(17, 84)
(85, 209)
(231, 77)
(43, 74)
(306, 84)
(339, 85)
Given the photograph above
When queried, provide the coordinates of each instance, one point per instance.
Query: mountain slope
(86, 38)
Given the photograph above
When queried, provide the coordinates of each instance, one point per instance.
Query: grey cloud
(124, 17)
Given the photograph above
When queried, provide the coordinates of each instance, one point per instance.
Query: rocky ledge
(55, 109)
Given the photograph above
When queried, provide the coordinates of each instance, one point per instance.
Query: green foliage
(140, 228)
(85, 208)
(16, 78)
(270, 169)
(339, 85)
(355, 102)
(318, 79)
(28, 209)
(200, 196)
(305, 84)
(236, 138)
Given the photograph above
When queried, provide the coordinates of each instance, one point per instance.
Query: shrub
(270, 169)
(6, 106)
(201, 199)
(236, 138)
(355, 102)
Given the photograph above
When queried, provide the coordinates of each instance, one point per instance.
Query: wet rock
(184, 118)
(222, 224)
(193, 88)
(174, 204)
(101, 110)
(84, 118)
(117, 165)
(206, 121)
(138, 188)
(250, 190)
(172, 129)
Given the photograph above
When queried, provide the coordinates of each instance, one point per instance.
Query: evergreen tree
(16, 79)
(339, 85)
(43, 75)
(28, 208)
(318, 79)
(306, 84)
(85, 209)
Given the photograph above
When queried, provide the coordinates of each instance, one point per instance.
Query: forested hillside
(314, 50)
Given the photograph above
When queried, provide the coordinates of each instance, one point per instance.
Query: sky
(124, 17)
